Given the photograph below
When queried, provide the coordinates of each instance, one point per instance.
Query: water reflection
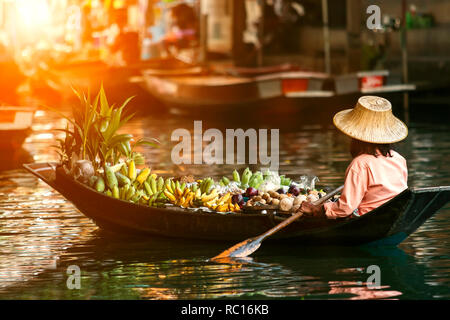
(42, 234)
(36, 225)
(160, 268)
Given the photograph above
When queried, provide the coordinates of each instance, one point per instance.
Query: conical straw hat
(371, 121)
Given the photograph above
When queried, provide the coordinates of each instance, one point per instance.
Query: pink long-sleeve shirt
(369, 182)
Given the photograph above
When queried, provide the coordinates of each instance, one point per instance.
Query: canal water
(42, 234)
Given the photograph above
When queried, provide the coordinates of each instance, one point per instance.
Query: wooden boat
(15, 126)
(88, 74)
(200, 93)
(116, 79)
(389, 224)
(255, 71)
(227, 91)
(171, 67)
(377, 82)
(224, 90)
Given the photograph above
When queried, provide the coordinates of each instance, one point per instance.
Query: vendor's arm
(355, 187)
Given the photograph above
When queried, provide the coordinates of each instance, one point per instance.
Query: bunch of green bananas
(125, 183)
(225, 181)
(205, 185)
(250, 179)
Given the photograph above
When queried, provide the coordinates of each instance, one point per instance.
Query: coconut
(275, 202)
(286, 204)
(83, 170)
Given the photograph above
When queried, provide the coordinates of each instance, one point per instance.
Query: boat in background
(118, 80)
(254, 71)
(221, 90)
(388, 224)
(164, 67)
(15, 126)
(341, 91)
(370, 82)
(195, 94)
(89, 75)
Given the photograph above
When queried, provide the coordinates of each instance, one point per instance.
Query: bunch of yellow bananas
(180, 196)
(190, 197)
(221, 204)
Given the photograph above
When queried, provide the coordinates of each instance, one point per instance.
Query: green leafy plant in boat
(92, 134)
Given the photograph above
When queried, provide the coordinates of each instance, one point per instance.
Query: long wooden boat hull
(222, 93)
(267, 89)
(389, 224)
(192, 94)
(91, 74)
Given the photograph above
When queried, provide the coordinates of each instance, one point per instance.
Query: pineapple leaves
(92, 132)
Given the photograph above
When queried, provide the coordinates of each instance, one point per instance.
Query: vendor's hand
(312, 210)
(307, 208)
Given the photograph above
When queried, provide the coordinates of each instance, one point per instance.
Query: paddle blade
(240, 250)
(233, 261)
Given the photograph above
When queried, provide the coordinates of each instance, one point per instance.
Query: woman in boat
(377, 172)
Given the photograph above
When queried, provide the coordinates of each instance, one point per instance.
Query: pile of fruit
(241, 192)
(270, 191)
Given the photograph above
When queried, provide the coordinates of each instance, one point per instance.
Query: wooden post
(203, 38)
(353, 8)
(326, 36)
(203, 32)
(260, 56)
(404, 44)
(238, 27)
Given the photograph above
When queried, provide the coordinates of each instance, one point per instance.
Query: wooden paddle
(247, 247)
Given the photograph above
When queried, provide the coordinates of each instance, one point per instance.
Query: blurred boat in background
(193, 94)
(120, 81)
(228, 89)
(15, 126)
(89, 75)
